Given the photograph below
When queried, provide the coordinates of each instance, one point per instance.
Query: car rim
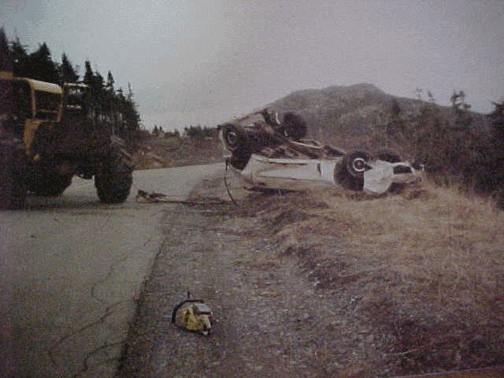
(232, 139)
(359, 165)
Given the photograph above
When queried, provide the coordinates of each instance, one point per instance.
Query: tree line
(191, 132)
(453, 150)
(104, 98)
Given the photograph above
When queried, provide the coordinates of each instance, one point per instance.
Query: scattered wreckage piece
(267, 151)
(193, 315)
(153, 197)
(144, 197)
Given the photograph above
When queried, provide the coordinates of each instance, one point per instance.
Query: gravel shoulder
(270, 318)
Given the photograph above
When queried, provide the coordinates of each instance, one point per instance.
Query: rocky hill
(354, 109)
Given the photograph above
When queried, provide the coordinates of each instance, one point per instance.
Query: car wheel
(239, 159)
(293, 126)
(346, 180)
(235, 138)
(356, 163)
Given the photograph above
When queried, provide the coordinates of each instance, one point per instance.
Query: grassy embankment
(426, 268)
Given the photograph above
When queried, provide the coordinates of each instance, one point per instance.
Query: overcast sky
(206, 61)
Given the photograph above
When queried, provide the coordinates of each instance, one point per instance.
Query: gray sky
(206, 61)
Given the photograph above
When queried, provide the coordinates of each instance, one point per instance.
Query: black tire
(293, 126)
(388, 156)
(48, 183)
(356, 163)
(12, 174)
(239, 159)
(346, 180)
(235, 138)
(113, 182)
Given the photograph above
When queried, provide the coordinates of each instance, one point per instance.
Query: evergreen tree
(6, 98)
(98, 83)
(461, 108)
(88, 75)
(397, 125)
(67, 72)
(110, 83)
(395, 109)
(497, 117)
(20, 59)
(131, 116)
(41, 65)
(428, 134)
(130, 93)
(464, 140)
(109, 109)
(486, 171)
(5, 53)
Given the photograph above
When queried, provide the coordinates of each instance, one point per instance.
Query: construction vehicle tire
(12, 173)
(48, 183)
(113, 182)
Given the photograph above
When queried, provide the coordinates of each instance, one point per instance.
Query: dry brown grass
(443, 235)
(425, 267)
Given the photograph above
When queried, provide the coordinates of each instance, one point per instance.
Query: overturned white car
(267, 151)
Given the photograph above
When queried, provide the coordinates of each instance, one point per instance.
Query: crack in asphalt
(101, 319)
(85, 364)
(106, 314)
(109, 274)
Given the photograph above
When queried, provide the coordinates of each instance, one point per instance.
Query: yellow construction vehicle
(50, 133)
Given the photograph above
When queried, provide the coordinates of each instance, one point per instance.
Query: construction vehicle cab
(35, 102)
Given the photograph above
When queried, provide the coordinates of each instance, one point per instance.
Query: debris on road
(154, 197)
(145, 197)
(267, 151)
(193, 315)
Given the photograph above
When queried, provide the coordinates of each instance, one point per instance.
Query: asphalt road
(71, 269)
